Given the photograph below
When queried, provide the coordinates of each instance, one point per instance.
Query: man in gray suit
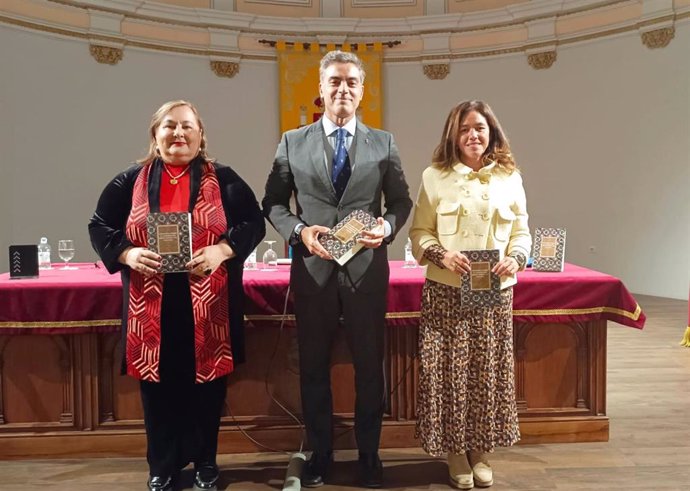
(333, 167)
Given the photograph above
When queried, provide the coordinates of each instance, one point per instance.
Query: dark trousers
(182, 418)
(317, 321)
(182, 423)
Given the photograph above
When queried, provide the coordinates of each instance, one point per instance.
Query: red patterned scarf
(209, 294)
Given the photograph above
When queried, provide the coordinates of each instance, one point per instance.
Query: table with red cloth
(560, 350)
(86, 299)
(574, 295)
(89, 299)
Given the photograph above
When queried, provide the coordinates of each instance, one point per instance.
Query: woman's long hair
(156, 121)
(447, 153)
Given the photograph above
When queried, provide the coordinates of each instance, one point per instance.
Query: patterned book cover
(341, 241)
(170, 235)
(23, 261)
(549, 249)
(481, 288)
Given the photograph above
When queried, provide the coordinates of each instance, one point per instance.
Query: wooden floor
(649, 448)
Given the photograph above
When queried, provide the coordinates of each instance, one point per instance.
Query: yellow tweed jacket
(461, 209)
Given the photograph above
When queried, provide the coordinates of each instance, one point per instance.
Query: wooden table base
(62, 395)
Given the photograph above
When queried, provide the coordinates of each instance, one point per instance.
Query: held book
(23, 261)
(549, 249)
(341, 241)
(481, 288)
(170, 235)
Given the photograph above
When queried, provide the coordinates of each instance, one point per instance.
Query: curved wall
(602, 136)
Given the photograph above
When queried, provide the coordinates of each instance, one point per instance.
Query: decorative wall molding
(658, 38)
(541, 61)
(384, 3)
(107, 55)
(436, 71)
(528, 27)
(283, 3)
(510, 15)
(226, 69)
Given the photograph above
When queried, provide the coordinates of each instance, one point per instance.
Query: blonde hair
(156, 121)
(447, 153)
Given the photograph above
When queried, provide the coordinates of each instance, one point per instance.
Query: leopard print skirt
(466, 396)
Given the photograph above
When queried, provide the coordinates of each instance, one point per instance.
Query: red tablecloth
(89, 299)
(576, 294)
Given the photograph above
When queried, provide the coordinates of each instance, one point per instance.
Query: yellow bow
(484, 175)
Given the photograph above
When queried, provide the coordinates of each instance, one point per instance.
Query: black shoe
(316, 471)
(370, 470)
(160, 483)
(205, 477)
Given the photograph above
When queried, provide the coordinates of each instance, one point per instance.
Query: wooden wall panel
(120, 396)
(34, 370)
(402, 373)
(248, 394)
(551, 366)
(72, 384)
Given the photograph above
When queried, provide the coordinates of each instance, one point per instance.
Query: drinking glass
(270, 258)
(250, 262)
(66, 252)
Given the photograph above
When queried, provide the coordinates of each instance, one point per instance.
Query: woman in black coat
(183, 331)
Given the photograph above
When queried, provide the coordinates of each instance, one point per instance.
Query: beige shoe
(460, 471)
(483, 474)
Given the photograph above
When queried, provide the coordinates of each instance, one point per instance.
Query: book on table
(481, 288)
(170, 236)
(548, 253)
(341, 241)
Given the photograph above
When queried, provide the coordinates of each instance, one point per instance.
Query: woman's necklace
(174, 179)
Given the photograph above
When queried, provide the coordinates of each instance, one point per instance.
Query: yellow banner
(300, 103)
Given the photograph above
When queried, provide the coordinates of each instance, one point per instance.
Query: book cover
(481, 288)
(23, 261)
(341, 241)
(170, 235)
(549, 249)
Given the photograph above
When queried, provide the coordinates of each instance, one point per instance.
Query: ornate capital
(540, 61)
(436, 71)
(225, 68)
(106, 54)
(658, 38)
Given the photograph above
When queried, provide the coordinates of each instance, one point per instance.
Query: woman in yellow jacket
(471, 197)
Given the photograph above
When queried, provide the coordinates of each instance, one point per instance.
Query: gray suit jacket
(299, 169)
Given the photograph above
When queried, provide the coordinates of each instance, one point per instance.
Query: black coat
(246, 229)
